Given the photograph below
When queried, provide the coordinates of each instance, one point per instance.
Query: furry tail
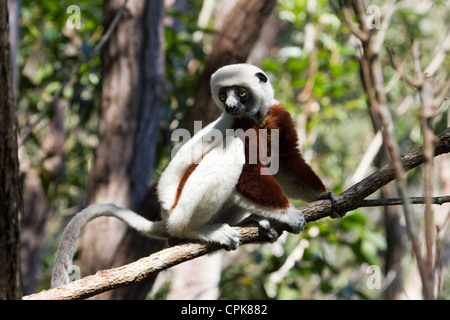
(66, 249)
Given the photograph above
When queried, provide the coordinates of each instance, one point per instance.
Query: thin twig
(383, 110)
(439, 57)
(354, 28)
(442, 95)
(387, 12)
(400, 68)
(398, 201)
(427, 112)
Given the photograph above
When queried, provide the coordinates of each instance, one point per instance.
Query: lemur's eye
(242, 93)
(222, 97)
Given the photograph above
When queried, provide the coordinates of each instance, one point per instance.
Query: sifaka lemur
(244, 165)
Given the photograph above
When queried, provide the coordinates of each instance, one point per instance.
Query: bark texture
(10, 202)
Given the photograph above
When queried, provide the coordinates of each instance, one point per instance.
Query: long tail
(66, 249)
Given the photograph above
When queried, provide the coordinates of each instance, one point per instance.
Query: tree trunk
(133, 78)
(268, 37)
(10, 203)
(36, 209)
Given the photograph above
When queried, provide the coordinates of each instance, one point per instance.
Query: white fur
(207, 189)
(191, 152)
(290, 216)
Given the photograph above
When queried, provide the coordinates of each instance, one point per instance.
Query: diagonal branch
(350, 199)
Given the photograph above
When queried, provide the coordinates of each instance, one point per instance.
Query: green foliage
(322, 90)
(337, 132)
(333, 261)
(184, 58)
(48, 53)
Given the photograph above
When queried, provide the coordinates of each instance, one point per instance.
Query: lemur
(216, 180)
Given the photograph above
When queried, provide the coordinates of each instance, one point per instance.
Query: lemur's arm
(295, 176)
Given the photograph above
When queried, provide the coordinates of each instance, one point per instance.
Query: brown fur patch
(261, 189)
(264, 189)
(291, 160)
(182, 183)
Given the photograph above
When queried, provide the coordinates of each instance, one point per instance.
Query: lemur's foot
(271, 232)
(264, 224)
(334, 205)
(293, 218)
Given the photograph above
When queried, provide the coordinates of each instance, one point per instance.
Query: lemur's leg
(204, 192)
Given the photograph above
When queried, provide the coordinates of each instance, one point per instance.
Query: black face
(236, 100)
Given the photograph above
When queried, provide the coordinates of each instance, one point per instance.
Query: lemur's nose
(231, 108)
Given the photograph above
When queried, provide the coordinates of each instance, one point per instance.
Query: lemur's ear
(261, 76)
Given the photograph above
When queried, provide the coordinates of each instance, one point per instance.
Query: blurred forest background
(95, 126)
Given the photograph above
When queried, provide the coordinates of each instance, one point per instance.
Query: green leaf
(369, 251)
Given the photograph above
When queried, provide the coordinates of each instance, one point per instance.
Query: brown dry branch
(398, 201)
(350, 199)
(429, 109)
(371, 43)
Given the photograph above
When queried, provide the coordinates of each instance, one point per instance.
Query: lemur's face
(242, 90)
(237, 100)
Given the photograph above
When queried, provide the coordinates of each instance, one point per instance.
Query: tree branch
(398, 201)
(350, 199)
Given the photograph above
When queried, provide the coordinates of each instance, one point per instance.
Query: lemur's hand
(334, 205)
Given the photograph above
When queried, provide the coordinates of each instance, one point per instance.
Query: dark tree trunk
(10, 201)
(133, 92)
